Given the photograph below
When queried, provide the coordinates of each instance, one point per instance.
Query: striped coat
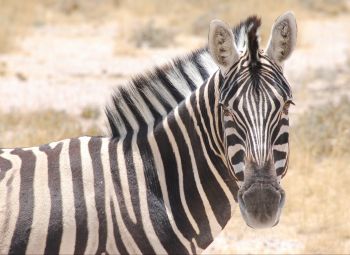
(167, 179)
(148, 192)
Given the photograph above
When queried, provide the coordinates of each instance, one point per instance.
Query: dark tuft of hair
(253, 38)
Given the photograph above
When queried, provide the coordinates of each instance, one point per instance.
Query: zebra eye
(286, 106)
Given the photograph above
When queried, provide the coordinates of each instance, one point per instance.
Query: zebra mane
(150, 96)
(147, 98)
(253, 39)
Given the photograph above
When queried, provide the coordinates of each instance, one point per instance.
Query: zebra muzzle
(261, 204)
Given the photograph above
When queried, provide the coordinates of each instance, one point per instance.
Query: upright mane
(148, 97)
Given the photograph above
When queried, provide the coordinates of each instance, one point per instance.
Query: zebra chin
(261, 204)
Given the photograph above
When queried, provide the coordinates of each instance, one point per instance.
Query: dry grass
(317, 183)
(34, 128)
(170, 17)
(150, 36)
(15, 17)
(90, 112)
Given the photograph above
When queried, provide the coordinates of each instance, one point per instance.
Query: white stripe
(161, 174)
(180, 173)
(163, 93)
(89, 194)
(162, 182)
(213, 224)
(281, 147)
(124, 180)
(192, 72)
(128, 114)
(233, 149)
(140, 105)
(207, 61)
(239, 167)
(280, 163)
(155, 102)
(175, 77)
(283, 129)
(121, 125)
(42, 205)
(9, 202)
(217, 176)
(142, 189)
(68, 208)
(111, 247)
(240, 107)
(208, 110)
(125, 236)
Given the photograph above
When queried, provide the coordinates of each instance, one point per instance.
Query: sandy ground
(68, 68)
(57, 63)
(71, 67)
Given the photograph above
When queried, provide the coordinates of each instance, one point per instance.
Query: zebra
(178, 160)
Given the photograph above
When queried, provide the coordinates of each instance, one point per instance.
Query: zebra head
(253, 103)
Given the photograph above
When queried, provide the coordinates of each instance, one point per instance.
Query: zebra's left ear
(283, 38)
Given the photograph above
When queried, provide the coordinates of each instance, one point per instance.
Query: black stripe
(278, 155)
(79, 199)
(205, 114)
(55, 229)
(118, 241)
(282, 139)
(238, 157)
(172, 181)
(156, 115)
(113, 127)
(282, 122)
(22, 231)
(156, 93)
(136, 230)
(223, 211)
(112, 150)
(99, 185)
(201, 69)
(194, 201)
(280, 171)
(135, 110)
(192, 86)
(157, 211)
(214, 192)
(161, 75)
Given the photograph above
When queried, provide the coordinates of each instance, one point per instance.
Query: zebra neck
(199, 195)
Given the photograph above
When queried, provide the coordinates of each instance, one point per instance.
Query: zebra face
(253, 109)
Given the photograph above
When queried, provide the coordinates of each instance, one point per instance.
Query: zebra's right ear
(222, 47)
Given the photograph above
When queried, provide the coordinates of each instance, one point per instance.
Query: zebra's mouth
(261, 204)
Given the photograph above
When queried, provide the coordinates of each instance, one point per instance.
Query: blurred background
(59, 61)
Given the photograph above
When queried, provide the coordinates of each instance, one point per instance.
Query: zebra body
(147, 192)
(167, 180)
